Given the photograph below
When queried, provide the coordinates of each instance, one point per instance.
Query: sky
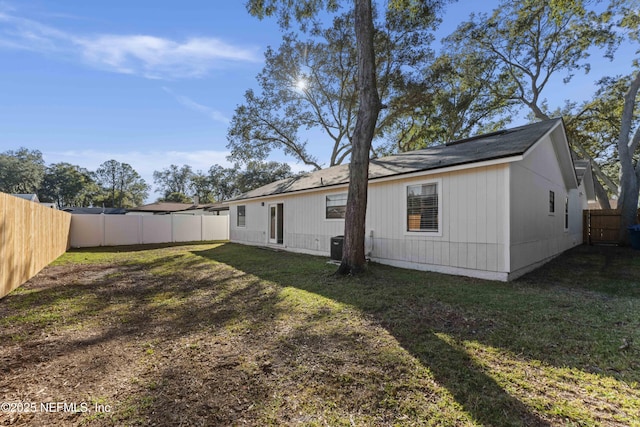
(152, 83)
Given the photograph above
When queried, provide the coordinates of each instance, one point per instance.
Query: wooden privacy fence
(31, 236)
(117, 230)
(602, 226)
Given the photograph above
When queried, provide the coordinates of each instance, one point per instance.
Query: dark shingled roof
(164, 207)
(96, 211)
(496, 145)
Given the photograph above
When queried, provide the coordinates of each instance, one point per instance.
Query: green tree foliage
(226, 183)
(202, 187)
(122, 186)
(533, 42)
(626, 16)
(21, 171)
(453, 100)
(257, 174)
(311, 84)
(222, 182)
(596, 123)
(176, 198)
(67, 185)
(176, 181)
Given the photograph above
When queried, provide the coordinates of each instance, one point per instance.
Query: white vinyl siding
(473, 221)
(537, 232)
(304, 224)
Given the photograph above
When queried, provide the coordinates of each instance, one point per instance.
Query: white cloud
(6, 7)
(192, 105)
(160, 58)
(144, 55)
(25, 34)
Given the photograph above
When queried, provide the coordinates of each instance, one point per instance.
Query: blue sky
(149, 83)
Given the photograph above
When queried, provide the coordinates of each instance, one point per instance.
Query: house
(493, 206)
(596, 205)
(166, 208)
(29, 197)
(95, 211)
(218, 209)
(34, 198)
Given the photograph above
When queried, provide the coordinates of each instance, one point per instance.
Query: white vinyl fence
(117, 230)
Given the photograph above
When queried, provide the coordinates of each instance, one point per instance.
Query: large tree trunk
(628, 181)
(601, 195)
(353, 257)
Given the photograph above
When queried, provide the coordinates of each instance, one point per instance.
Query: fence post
(103, 241)
(140, 229)
(585, 227)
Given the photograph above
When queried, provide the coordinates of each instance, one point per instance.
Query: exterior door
(276, 223)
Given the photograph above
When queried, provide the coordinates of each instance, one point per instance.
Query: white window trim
(549, 203)
(437, 233)
(245, 217)
(324, 199)
(267, 204)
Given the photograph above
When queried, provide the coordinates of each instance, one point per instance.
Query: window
(566, 213)
(336, 206)
(241, 216)
(422, 207)
(552, 202)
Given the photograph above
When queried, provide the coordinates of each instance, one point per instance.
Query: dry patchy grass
(222, 334)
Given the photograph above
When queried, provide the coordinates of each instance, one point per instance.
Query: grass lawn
(223, 334)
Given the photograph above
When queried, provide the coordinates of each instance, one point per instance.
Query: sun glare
(301, 84)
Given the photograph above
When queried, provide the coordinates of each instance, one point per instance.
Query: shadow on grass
(611, 270)
(127, 323)
(138, 248)
(204, 326)
(403, 311)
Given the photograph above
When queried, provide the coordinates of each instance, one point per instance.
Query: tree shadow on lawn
(85, 332)
(410, 313)
(210, 342)
(610, 270)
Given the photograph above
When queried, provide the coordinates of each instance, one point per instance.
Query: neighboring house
(218, 209)
(95, 211)
(595, 205)
(585, 178)
(494, 206)
(166, 208)
(29, 197)
(34, 198)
